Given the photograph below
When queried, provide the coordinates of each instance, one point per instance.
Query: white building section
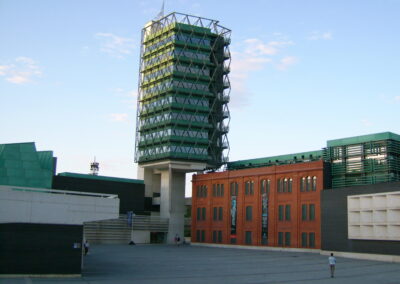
(37, 205)
(168, 179)
(374, 216)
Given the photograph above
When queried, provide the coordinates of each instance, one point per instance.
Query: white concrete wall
(374, 216)
(141, 237)
(152, 180)
(173, 202)
(28, 205)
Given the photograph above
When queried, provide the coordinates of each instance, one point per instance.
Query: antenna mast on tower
(161, 13)
(94, 167)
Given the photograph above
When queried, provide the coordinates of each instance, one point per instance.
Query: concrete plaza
(153, 264)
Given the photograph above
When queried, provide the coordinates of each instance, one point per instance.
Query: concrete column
(172, 204)
(151, 180)
(168, 178)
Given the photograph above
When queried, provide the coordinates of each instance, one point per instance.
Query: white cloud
(119, 117)
(118, 90)
(320, 36)
(287, 61)
(22, 70)
(253, 55)
(21, 78)
(129, 96)
(26, 60)
(4, 69)
(132, 99)
(115, 45)
(389, 99)
(366, 123)
(256, 47)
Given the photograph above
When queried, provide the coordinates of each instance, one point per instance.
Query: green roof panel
(274, 160)
(363, 139)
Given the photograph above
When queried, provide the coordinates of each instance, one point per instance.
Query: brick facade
(285, 190)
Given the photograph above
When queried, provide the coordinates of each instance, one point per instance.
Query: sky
(302, 72)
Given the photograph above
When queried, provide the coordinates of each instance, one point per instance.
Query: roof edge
(106, 178)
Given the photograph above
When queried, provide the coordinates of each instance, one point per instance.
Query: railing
(227, 41)
(227, 54)
(226, 69)
(224, 129)
(56, 191)
(223, 98)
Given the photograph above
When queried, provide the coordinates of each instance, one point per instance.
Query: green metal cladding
(184, 90)
(22, 165)
(366, 159)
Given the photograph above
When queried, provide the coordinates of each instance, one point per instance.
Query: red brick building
(266, 203)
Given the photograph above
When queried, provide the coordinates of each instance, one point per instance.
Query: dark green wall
(131, 195)
(40, 248)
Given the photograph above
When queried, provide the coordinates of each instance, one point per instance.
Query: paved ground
(154, 264)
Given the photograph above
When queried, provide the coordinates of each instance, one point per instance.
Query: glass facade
(366, 159)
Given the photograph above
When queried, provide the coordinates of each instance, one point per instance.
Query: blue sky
(302, 72)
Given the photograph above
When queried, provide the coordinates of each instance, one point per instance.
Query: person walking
(332, 263)
(86, 245)
(177, 239)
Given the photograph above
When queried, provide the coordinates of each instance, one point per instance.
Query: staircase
(118, 231)
(114, 231)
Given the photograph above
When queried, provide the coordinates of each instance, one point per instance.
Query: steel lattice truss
(183, 91)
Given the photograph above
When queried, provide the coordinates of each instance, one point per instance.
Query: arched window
(278, 185)
(263, 186)
(303, 184)
(314, 183)
(249, 187)
(290, 185)
(285, 185)
(308, 187)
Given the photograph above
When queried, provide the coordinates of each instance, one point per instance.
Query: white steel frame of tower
(182, 112)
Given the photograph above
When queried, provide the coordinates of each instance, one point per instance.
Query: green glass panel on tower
(184, 91)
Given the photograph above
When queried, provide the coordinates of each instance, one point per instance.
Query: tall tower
(182, 115)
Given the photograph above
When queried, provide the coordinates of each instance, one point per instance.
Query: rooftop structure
(366, 159)
(94, 168)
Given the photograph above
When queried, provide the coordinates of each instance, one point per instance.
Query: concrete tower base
(168, 179)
